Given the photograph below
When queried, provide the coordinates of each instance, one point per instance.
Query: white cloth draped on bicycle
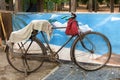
(25, 33)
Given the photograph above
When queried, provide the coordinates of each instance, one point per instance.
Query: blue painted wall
(108, 24)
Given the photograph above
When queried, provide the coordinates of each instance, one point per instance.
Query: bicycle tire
(91, 52)
(17, 61)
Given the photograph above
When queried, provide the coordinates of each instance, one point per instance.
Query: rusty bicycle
(89, 51)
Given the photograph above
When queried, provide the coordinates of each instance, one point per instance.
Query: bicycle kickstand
(25, 70)
(26, 73)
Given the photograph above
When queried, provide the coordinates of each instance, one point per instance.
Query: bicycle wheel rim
(100, 51)
(18, 62)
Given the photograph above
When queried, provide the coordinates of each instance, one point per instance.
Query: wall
(108, 24)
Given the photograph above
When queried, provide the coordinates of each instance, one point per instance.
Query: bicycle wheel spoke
(26, 60)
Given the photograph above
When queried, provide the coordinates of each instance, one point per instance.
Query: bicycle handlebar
(58, 27)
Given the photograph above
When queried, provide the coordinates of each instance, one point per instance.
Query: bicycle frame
(35, 32)
(66, 42)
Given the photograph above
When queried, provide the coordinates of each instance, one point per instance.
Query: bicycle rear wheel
(92, 52)
(28, 61)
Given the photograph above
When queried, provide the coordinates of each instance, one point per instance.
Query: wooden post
(90, 3)
(3, 27)
(73, 5)
(11, 5)
(111, 6)
(69, 5)
(6, 24)
(0, 41)
(0, 37)
(40, 5)
(119, 6)
(96, 5)
(18, 6)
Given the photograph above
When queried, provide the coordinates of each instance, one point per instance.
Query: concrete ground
(52, 71)
(8, 73)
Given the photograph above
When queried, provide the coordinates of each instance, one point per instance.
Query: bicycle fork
(81, 37)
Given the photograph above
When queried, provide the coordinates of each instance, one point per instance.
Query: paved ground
(51, 71)
(72, 72)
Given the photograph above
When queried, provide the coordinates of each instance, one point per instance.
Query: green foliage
(100, 1)
(84, 1)
(34, 1)
(7, 1)
(107, 1)
(57, 1)
(115, 1)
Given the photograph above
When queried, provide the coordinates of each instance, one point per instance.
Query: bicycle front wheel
(25, 56)
(91, 52)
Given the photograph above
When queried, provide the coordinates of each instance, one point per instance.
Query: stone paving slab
(72, 72)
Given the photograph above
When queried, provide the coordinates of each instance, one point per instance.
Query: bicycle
(86, 49)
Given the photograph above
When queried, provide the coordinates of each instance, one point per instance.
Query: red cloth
(72, 27)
